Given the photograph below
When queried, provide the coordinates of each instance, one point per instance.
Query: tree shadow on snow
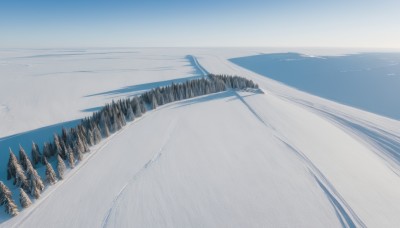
(231, 94)
(131, 90)
(39, 136)
(136, 89)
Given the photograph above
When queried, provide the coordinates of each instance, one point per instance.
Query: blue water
(369, 81)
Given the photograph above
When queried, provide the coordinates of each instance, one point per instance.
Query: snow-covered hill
(233, 159)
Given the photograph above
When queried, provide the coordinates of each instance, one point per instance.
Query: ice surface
(365, 80)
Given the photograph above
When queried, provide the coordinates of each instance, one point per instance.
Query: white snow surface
(233, 159)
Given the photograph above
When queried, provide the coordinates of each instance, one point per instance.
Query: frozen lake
(369, 81)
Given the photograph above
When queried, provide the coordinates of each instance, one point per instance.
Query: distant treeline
(69, 146)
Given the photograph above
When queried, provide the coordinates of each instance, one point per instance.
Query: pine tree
(29, 169)
(60, 167)
(122, 119)
(81, 140)
(4, 193)
(23, 158)
(11, 207)
(105, 130)
(36, 156)
(57, 144)
(20, 178)
(142, 106)
(50, 174)
(71, 158)
(90, 138)
(82, 136)
(12, 164)
(46, 151)
(77, 152)
(63, 153)
(154, 103)
(136, 107)
(35, 181)
(130, 116)
(97, 135)
(80, 144)
(15, 171)
(24, 199)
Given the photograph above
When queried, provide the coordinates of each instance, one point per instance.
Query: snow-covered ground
(234, 159)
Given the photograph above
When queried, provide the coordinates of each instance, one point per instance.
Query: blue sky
(123, 23)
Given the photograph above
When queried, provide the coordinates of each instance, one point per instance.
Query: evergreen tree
(77, 152)
(35, 182)
(50, 174)
(90, 138)
(12, 164)
(136, 107)
(10, 206)
(36, 156)
(81, 137)
(71, 158)
(23, 158)
(80, 144)
(60, 167)
(20, 178)
(4, 193)
(46, 151)
(96, 135)
(24, 199)
(64, 136)
(57, 145)
(154, 103)
(15, 171)
(104, 129)
(130, 116)
(63, 153)
(122, 119)
(142, 106)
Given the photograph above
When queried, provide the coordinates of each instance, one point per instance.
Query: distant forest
(69, 146)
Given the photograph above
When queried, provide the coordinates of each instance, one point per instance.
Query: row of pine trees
(71, 144)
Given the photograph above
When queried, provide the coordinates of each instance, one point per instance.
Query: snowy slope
(358, 152)
(280, 159)
(179, 167)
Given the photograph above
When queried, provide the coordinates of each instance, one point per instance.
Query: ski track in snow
(385, 144)
(340, 205)
(346, 216)
(343, 217)
(154, 159)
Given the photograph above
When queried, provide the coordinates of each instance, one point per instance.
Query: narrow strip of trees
(73, 143)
